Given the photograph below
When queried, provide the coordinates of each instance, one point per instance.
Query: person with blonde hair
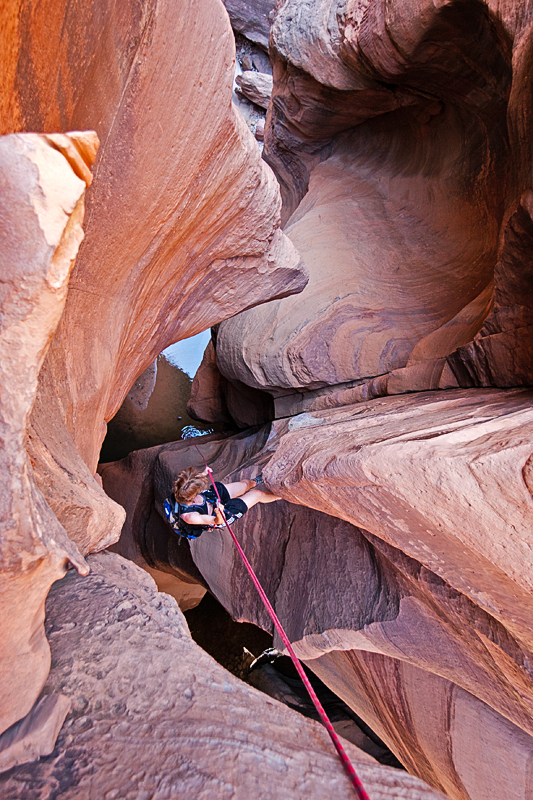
(192, 507)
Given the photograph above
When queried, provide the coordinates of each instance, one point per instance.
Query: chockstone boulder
(256, 86)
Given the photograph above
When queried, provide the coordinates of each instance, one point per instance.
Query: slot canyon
(340, 193)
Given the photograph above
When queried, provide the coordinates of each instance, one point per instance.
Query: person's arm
(194, 518)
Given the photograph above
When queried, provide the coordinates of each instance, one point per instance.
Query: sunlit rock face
(401, 144)
(181, 231)
(182, 224)
(43, 181)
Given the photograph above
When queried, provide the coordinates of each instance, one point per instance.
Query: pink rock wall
(182, 230)
(178, 201)
(400, 557)
(407, 589)
(41, 213)
(154, 714)
(401, 145)
(400, 137)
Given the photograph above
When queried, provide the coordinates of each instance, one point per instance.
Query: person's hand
(219, 519)
(204, 473)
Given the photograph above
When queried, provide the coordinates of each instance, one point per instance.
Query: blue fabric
(233, 509)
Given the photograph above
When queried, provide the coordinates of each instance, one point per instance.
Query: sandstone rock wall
(401, 144)
(407, 588)
(181, 230)
(177, 201)
(137, 682)
(43, 181)
(400, 556)
(400, 136)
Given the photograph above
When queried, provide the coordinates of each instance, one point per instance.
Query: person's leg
(236, 507)
(239, 487)
(254, 496)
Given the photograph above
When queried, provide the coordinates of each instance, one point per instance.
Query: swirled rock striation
(401, 145)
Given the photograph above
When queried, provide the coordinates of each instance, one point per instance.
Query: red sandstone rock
(154, 714)
(141, 391)
(429, 598)
(396, 207)
(164, 419)
(442, 479)
(356, 319)
(428, 113)
(207, 400)
(401, 254)
(41, 213)
(420, 618)
(255, 86)
(183, 217)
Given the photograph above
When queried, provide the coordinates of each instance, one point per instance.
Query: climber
(192, 508)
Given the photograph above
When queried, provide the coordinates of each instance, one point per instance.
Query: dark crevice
(246, 651)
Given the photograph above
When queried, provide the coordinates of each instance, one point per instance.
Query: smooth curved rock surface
(393, 261)
(207, 401)
(449, 456)
(182, 222)
(35, 735)
(401, 145)
(154, 714)
(428, 550)
(470, 746)
(182, 229)
(43, 181)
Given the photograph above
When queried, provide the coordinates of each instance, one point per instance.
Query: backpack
(173, 510)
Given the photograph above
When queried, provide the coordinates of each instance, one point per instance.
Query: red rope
(346, 763)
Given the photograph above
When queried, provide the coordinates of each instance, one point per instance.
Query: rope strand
(346, 763)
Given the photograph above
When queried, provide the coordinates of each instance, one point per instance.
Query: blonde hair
(188, 484)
